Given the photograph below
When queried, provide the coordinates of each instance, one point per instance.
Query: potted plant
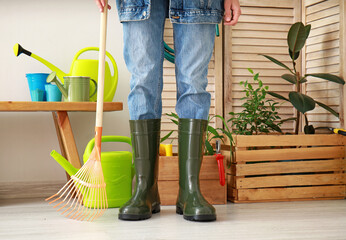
(285, 167)
(303, 103)
(280, 167)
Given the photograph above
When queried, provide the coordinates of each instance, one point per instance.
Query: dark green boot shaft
(191, 202)
(145, 135)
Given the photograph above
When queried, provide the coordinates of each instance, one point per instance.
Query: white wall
(54, 30)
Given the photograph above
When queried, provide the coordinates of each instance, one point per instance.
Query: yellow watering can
(82, 67)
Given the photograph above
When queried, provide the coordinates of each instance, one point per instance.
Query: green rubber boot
(145, 201)
(191, 202)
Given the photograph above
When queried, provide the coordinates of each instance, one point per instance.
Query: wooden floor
(34, 219)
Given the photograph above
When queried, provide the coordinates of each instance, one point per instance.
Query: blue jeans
(144, 55)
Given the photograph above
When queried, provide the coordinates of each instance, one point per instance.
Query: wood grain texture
(289, 140)
(323, 53)
(262, 29)
(289, 167)
(319, 220)
(10, 106)
(290, 154)
(291, 193)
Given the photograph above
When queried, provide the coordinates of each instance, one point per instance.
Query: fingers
(232, 12)
(228, 11)
(101, 4)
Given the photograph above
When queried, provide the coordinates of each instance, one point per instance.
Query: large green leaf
(290, 78)
(301, 102)
(296, 55)
(328, 76)
(296, 37)
(276, 62)
(329, 109)
(278, 96)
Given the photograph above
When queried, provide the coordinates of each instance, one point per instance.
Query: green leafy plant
(260, 114)
(296, 39)
(211, 134)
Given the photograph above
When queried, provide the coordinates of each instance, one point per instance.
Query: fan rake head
(84, 196)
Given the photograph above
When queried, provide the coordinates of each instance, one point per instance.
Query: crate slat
(290, 180)
(289, 140)
(289, 167)
(213, 192)
(291, 193)
(169, 168)
(290, 154)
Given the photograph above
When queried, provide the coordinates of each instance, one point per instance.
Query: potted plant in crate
(303, 103)
(290, 167)
(209, 174)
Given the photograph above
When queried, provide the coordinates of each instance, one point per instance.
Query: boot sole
(196, 218)
(137, 217)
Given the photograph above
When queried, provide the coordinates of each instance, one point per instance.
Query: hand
(232, 12)
(101, 4)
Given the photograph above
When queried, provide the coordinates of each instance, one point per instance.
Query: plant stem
(298, 89)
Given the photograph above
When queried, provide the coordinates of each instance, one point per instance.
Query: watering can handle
(123, 139)
(91, 143)
(97, 49)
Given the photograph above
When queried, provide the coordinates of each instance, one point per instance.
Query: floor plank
(34, 219)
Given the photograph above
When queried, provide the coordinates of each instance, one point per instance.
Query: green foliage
(212, 133)
(296, 39)
(259, 115)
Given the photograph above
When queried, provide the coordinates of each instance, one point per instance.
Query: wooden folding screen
(262, 29)
(324, 54)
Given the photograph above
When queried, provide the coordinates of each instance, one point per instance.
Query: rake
(84, 196)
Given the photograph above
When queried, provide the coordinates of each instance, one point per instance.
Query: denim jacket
(180, 11)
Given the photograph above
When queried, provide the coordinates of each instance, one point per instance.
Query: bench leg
(66, 139)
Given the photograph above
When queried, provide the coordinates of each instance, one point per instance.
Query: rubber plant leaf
(296, 55)
(329, 109)
(276, 62)
(302, 102)
(296, 37)
(328, 76)
(277, 96)
(289, 78)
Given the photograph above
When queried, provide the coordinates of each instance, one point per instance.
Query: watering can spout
(18, 49)
(64, 163)
(52, 78)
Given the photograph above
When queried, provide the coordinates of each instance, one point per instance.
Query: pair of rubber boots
(145, 201)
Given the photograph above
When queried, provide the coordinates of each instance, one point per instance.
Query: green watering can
(82, 67)
(118, 172)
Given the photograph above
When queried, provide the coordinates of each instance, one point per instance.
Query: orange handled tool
(219, 159)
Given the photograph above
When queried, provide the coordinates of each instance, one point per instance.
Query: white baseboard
(29, 189)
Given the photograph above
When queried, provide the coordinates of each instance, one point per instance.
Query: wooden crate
(287, 168)
(168, 182)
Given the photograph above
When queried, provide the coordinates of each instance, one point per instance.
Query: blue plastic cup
(53, 93)
(37, 95)
(37, 81)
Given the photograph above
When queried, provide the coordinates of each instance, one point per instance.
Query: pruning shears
(219, 159)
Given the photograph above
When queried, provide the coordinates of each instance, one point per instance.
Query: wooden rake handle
(101, 76)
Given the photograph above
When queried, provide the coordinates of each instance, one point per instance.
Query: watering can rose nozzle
(18, 49)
